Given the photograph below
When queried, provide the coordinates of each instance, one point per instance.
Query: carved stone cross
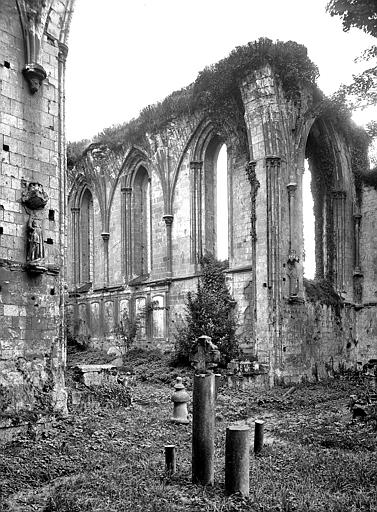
(204, 355)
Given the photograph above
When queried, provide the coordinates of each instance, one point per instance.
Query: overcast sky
(127, 54)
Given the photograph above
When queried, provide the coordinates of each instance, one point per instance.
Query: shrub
(127, 329)
(209, 311)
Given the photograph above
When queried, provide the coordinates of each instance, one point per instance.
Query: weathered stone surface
(150, 254)
(32, 187)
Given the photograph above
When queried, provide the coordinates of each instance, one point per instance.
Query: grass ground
(111, 458)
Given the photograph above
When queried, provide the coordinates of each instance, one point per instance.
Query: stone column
(274, 264)
(168, 218)
(123, 232)
(357, 273)
(128, 232)
(254, 187)
(357, 220)
(339, 205)
(196, 211)
(105, 238)
(75, 215)
(273, 221)
(293, 258)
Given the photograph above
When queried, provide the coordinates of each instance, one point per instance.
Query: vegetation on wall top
(321, 291)
(212, 89)
(338, 111)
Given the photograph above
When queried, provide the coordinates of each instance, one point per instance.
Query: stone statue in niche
(292, 273)
(34, 199)
(35, 248)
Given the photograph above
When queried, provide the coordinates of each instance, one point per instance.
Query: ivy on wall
(336, 112)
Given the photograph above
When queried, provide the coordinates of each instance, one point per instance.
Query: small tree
(209, 311)
(127, 329)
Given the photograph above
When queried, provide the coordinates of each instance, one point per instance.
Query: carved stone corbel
(33, 16)
(34, 74)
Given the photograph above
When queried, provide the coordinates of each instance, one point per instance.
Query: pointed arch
(136, 214)
(332, 188)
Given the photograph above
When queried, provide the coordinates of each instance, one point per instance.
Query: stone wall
(268, 135)
(32, 205)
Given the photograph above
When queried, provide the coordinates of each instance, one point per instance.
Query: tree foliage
(209, 311)
(361, 14)
(356, 13)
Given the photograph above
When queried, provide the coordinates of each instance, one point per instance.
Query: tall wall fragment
(33, 51)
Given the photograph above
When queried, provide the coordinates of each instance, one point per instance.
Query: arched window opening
(308, 218)
(142, 223)
(86, 237)
(222, 211)
(216, 200)
(328, 204)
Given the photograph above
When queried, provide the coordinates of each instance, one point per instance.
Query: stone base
(96, 374)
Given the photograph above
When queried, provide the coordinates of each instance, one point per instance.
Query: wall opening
(222, 209)
(86, 237)
(308, 221)
(141, 223)
(215, 200)
(329, 200)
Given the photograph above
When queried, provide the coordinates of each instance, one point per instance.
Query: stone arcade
(141, 215)
(138, 217)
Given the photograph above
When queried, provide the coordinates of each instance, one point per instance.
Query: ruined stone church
(123, 229)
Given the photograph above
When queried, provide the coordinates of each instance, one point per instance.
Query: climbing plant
(214, 88)
(209, 311)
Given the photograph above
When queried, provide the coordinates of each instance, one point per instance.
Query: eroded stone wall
(268, 138)
(32, 199)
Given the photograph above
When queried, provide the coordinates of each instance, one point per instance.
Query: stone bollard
(180, 398)
(258, 436)
(170, 459)
(237, 447)
(203, 429)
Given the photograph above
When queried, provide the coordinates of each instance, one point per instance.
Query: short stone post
(237, 447)
(204, 357)
(170, 459)
(258, 436)
(203, 429)
(180, 398)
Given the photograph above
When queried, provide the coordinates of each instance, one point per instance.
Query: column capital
(75, 209)
(168, 218)
(273, 161)
(339, 194)
(291, 187)
(196, 165)
(105, 236)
